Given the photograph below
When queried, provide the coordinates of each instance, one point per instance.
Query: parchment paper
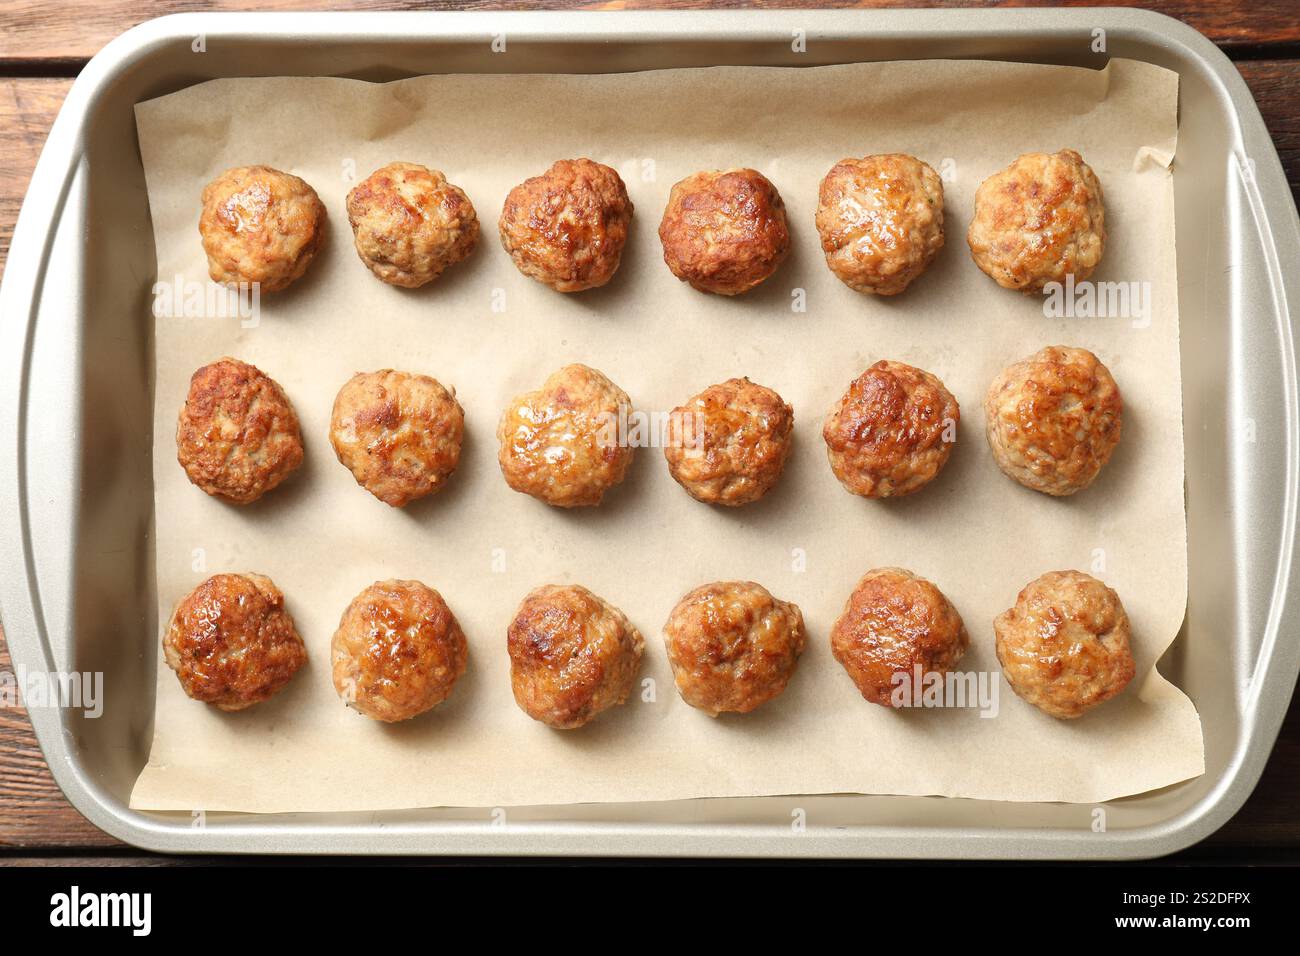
(975, 533)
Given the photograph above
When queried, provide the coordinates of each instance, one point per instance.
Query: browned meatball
(410, 224)
(572, 655)
(1054, 419)
(261, 226)
(1039, 220)
(724, 232)
(566, 228)
(891, 433)
(398, 433)
(893, 622)
(728, 444)
(561, 444)
(1064, 646)
(231, 642)
(732, 646)
(237, 436)
(881, 221)
(398, 651)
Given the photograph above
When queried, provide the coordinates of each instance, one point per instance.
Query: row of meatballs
(399, 651)
(880, 220)
(1052, 421)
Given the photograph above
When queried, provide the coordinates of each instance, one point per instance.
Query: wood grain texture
(1276, 88)
(34, 30)
(27, 108)
(34, 817)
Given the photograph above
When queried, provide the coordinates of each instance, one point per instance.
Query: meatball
(1039, 220)
(561, 443)
(894, 623)
(1064, 647)
(398, 433)
(1054, 419)
(237, 436)
(572, 655)
(728, 444)
(566, 228)
(398, 651)
(724, 232)
(891, 432)
(733, 646)
(260, 226)
(231, 642)
(880, 221)
(410, 224)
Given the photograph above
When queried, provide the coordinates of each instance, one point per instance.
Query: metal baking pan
(76, 499)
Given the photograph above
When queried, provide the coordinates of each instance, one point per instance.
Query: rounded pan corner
(113, 816)
(1158, 25)
(122, 53)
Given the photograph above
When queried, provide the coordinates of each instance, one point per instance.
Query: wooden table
(44, 44)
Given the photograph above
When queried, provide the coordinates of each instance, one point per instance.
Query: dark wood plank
(33, 813)
(108, 857)
(67, 33)
(1276, 88)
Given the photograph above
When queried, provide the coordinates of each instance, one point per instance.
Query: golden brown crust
(893, 622)
(1054, 419)
(892, 432)
(724, 231)
(1039, 220)
(260, 225)
(561, 443)
(1064, 646)
(231, 642)
(410, 224)
(729, 444)
(566, 228)
(398, 433)
(398, 651)
(237, 436)
(881, 221)
(733, 646)
(572, 655)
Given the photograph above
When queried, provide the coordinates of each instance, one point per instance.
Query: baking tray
(76, 503)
